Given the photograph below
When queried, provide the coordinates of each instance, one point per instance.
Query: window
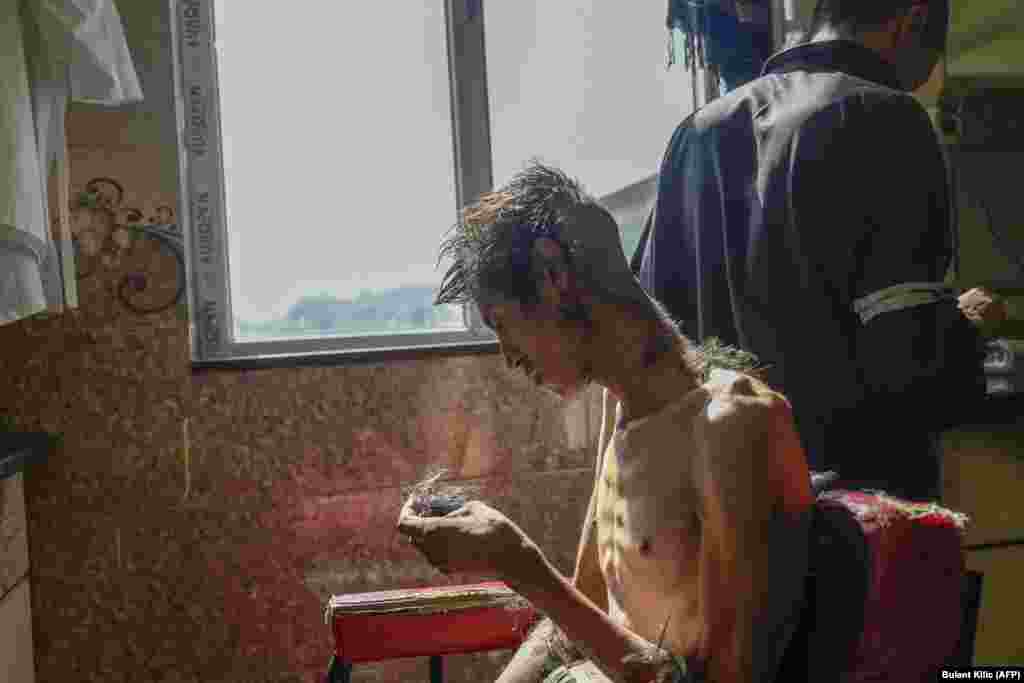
(325, 151)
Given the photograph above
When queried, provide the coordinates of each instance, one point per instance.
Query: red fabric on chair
(913, 613)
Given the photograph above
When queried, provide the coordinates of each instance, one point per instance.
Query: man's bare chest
(648, 516)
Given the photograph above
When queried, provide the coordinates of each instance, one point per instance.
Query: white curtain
(50, 50)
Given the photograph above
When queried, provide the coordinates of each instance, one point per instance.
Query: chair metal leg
(971, 606)
(970, 597)
(436, 669)
(339, 671)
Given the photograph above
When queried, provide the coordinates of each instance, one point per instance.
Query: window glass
(339, 180)
(582, 85)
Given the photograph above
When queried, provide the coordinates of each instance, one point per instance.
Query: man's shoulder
(749, 428)
(807, 96)
(733, 104)
(854, 103)
(740, 401)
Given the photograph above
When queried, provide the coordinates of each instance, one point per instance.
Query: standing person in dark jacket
(787, 211)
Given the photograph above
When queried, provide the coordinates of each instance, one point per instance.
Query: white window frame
(202, 198)
(197, 105)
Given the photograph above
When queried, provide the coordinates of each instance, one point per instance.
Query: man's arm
(534, 659)
(620, 653)
(868, 195)
(871, 207)
(579, 617)
(911, 354)
(752, 482)
(535, 655)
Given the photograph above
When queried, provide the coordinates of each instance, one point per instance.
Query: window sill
(342, 358)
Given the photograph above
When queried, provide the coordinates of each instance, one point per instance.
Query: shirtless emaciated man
(697, 532)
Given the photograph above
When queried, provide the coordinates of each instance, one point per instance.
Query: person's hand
(983, 308)
(475, 539)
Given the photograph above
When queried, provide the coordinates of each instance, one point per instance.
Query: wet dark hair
(491, 249)
(491, 246)
(858, 15)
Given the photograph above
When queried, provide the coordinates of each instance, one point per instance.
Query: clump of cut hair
(490, 246)
(714, 355)
(433, 498)
(709, 355)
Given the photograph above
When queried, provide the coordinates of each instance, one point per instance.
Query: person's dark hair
(491, 246)
(491, 252)
(858, 15)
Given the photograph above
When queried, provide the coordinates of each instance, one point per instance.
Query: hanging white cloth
(50, 50)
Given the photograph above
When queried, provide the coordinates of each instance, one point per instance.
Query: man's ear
(550, 265)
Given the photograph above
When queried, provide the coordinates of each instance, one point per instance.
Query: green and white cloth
(587, 672)
(50, 51)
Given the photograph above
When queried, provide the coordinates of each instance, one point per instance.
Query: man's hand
(983, 308)
(475, 539)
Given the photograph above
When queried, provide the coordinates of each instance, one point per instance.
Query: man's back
(782, 202)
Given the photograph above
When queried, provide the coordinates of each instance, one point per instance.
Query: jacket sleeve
(867, 185)
(870, 203)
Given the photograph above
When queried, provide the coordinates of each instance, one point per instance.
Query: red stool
(424, 622)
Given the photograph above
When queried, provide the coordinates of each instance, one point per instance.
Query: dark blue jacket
(783, 201)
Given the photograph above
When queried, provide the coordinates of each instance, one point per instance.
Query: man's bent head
(537, 257)
(494, 249)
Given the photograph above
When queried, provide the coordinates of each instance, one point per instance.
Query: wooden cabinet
(16, 657)
(983, 472)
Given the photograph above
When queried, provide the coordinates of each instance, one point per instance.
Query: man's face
(539, 341)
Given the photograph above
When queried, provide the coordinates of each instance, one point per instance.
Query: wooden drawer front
(16, 664)
(999, 640)
(983, 478)
(13, 536)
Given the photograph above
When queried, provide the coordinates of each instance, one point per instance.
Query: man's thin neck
(646, 368)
